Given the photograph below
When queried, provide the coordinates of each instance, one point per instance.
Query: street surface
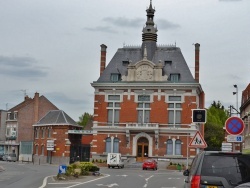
(18, 175)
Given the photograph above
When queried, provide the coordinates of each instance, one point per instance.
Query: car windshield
(236, 169)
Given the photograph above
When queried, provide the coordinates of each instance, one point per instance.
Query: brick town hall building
(144, 99)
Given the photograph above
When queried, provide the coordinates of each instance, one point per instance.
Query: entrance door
(142, 149)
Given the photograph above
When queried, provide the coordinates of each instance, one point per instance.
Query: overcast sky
(53, 46)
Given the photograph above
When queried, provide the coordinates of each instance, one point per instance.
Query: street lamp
(236, 93)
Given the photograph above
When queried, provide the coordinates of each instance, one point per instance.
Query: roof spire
(145, 52)
(149, 31)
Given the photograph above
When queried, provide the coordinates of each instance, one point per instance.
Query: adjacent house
(19, 120)
(245, 115)
(52, 141)
(143, 100)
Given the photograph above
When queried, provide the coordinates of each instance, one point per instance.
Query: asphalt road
(20, 175)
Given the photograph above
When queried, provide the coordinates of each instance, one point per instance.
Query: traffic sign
(234, 138)
(234, 126)
(199, 115)
(198, 141)
(62, 169)
(226, 147)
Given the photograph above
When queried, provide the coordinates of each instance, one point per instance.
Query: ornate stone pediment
(145, 70)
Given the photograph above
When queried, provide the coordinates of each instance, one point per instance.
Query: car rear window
(236, 169)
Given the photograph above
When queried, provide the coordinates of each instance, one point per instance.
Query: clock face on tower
(144, 73)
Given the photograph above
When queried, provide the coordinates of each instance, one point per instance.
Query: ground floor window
(112, 145)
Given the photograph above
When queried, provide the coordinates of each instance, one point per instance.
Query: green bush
(69, 170)
(94, 168)
(93, 160)
(100, 161)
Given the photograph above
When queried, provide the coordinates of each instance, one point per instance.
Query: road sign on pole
(198, 141)
(234, 126)
(234, 138)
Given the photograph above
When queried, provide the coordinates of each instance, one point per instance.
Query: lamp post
(236, 93)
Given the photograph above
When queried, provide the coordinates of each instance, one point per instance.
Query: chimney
(36, 107)
(197, 62)
(103, 58)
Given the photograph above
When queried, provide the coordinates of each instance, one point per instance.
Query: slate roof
(56, 117)
(155, 54)
(174, 54)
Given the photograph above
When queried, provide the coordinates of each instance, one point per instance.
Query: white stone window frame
(113, 108)
(174, 102)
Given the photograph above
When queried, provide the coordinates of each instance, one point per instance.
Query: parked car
(10, 157)
(217, 169)
(150, 164)
(1, 156)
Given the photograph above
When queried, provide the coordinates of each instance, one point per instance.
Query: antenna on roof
(24, 92)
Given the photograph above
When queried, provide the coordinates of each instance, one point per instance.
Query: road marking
(111, 185)
(147, 180)
(122, 175)
(45, 181)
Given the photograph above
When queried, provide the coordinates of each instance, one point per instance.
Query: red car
(149, 164)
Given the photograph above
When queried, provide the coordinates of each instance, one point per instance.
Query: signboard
(234, 138)
(234, 126)
(227, 147)
(62, 169)
(50, 144)
(80, 132)
(198, 141)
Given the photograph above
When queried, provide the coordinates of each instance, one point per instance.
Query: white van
(114, 160)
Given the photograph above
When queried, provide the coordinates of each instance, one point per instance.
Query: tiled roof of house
(56, 117)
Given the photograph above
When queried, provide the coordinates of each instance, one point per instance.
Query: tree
(84, 119)
(214, 132)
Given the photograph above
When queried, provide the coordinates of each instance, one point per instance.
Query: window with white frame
(15, 115)
(174, 110)
(177, 147)
(169, 147)
(143, 109)
(42, 150)
(108, 145)
(37, 133)
(113, 109)
(43, 133)
(116, 145)
(49, 133)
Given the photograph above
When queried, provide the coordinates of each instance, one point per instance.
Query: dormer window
(115, 77)
(125, 63)
(168, 62)
(174, 77)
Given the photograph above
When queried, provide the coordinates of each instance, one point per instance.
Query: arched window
(178, 147)
(108, 145)
(116, 145)
(169, 147)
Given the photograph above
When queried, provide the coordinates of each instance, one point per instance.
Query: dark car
(214, 169)
(149, 164)
(1, 156)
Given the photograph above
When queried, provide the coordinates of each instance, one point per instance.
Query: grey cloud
(21, 67)
(101, 29)
(58, 97)
(124, 22)
(230, 0)
(164, 24)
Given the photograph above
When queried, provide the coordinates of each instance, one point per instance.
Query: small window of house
(168, 62)
(125, 63)
(174, 77)
(115, 77)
